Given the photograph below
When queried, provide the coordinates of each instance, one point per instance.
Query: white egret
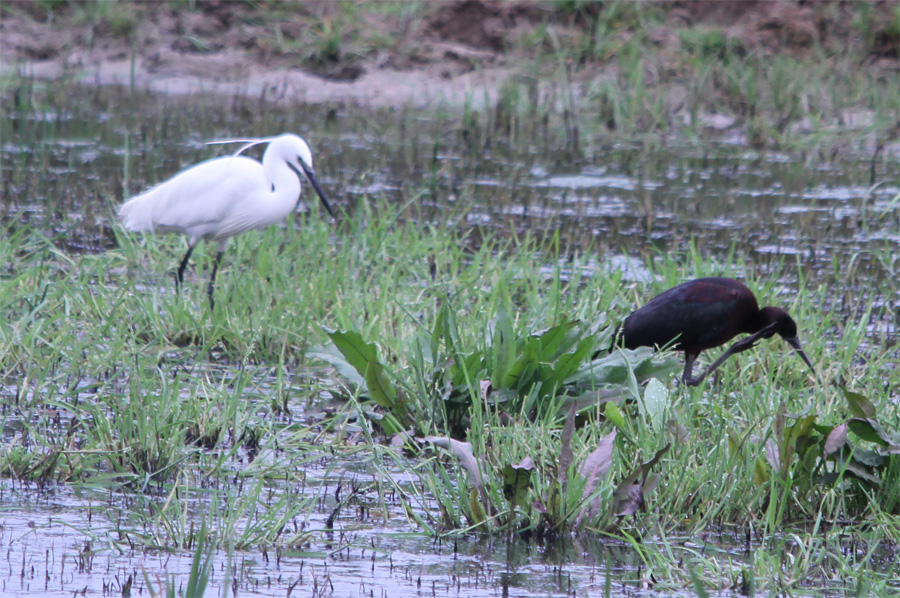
(223, 197)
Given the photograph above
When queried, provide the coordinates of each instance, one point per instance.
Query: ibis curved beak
(315, 183)
(795, 343)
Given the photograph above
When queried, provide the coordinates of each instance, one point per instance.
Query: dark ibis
(705, 313)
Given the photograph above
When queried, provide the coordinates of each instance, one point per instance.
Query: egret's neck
(284, 185)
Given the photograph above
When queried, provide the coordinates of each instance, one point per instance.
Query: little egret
(223, 197)
(705, 313)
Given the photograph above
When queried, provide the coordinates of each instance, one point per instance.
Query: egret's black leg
(179, 276)
(212, 279)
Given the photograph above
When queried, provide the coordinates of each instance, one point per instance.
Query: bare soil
(457, 49)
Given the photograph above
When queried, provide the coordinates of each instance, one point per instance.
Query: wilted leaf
(484, 389)
(773, 455)
(836, 439)
(679, 433)
(517, 480)
(540, 507)
(647, 465)
(780, 421)
(565, 452)
(594, 469)
(860, 406)
(651, 483)
(597, 464)
(630, 498)
(400, 439)
(464, 453)
(629, 494)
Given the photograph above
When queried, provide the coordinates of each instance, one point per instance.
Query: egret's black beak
(795, 343)
(312, 179)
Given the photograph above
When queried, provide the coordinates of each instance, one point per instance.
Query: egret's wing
(199, 198)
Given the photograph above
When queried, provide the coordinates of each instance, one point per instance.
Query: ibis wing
(696, 315)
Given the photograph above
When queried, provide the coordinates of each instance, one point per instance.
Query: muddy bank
(384, 54)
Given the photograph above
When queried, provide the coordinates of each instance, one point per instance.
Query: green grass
(105, 340)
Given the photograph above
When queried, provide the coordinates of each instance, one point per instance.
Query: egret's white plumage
(223, 197)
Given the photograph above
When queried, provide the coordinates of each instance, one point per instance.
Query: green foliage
(510, 372)
(804, 458)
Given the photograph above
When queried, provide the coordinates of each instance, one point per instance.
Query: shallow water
(55, 546)
(63, 171)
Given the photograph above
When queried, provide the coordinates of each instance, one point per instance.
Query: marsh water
(67, 162)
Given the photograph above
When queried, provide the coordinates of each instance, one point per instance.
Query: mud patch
(323, 51)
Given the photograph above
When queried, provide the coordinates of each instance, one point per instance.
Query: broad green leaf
(379, 386)
(760, 471)
(502, 349)
(333, 356)
(870, 458)
(476, 507)
(517, 480)
(656, 402)
(614, 415)
(871, 431)
(558, 340)
(357, 351)
(861, 471)
(860, 406)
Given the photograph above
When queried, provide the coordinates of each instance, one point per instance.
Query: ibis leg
(212, 279)
(738, 347)
(686, 377)
(179, 276)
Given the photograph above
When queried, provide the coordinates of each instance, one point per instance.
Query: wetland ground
(151, 445)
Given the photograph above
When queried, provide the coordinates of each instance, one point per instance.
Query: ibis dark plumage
(705, 313)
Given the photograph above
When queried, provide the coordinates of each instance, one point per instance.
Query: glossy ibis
(706, 313)
(223, 197)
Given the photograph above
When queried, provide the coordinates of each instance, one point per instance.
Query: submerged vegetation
(439, 355)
